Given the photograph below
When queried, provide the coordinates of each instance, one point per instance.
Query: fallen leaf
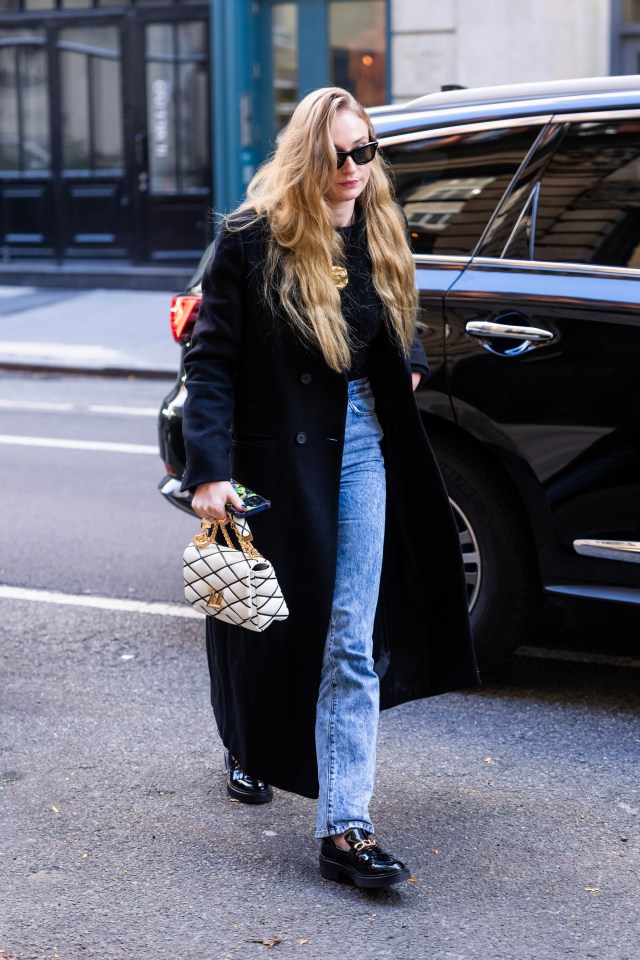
(266, 941)
(301, 943)
(413, 880)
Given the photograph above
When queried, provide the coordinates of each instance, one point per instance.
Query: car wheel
(502, 581)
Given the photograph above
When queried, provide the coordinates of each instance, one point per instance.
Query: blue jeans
(348, 699)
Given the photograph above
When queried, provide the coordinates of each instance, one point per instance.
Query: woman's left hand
(416, 377)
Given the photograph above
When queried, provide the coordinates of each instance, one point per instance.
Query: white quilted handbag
(234, 584)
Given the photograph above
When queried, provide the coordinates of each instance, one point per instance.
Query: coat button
(301, 438)
(306, 378)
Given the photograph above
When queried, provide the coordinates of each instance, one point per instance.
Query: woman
(300, 386)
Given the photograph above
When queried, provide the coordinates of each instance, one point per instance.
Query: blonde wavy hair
(289, 191)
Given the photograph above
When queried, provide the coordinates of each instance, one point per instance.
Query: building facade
(124, 123)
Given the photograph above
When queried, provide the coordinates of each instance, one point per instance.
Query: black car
(524, 208)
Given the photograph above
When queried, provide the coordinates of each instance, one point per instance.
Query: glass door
(26, 181)
(172, 140)
(63, 184)
(631, 55)
(357, 49)
(105, 145)
(92, 180)
(344, 44)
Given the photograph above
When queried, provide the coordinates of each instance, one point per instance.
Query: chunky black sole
(262, 797)
(331, 870)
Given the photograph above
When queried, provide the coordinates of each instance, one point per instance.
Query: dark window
(91, 98)
(24, 116)
(588, 208)
(511, 231)
(450, 185)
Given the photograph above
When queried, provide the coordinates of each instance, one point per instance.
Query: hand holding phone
(211, 499)
(252, 502)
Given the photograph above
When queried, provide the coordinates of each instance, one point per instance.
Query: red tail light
(184, 313)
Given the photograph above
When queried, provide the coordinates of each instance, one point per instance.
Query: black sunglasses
(359, 155)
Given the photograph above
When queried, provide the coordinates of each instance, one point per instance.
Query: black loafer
(242, 786)
(365, 864)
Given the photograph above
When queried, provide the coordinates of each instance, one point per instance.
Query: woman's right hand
(210, 500)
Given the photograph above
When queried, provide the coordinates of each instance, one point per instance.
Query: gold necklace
(339, 274)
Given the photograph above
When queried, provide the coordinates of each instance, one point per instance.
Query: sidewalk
(108, 332)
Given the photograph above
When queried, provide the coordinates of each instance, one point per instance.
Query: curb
(139, 373)
(83, 276)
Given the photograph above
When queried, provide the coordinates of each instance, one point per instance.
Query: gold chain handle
(209, 532)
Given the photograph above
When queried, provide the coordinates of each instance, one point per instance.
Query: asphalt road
(98, 509)
(516, 806)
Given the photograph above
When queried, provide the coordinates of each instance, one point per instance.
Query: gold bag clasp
(215, 600)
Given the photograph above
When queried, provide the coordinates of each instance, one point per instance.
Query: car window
(511, 232)
(449, 185)
(588, 208)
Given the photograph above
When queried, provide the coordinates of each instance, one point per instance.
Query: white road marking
(101, 603)
(103, 446)
(35, 405)
(126, 411)
(182, 612)
(576, 656)
(29, 405)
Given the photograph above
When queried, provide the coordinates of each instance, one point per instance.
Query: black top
(361, 306)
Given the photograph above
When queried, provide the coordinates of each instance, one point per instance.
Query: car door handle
(486, 329)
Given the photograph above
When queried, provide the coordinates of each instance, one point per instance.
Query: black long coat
(266, 410)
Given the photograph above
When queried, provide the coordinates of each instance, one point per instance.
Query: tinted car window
(510, 233)
(588, 208)
(449, 185)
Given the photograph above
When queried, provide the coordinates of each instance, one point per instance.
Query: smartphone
(253, 502)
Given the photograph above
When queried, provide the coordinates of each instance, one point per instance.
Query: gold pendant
(340, 276)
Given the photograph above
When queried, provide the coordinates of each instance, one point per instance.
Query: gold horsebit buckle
(365, 844)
